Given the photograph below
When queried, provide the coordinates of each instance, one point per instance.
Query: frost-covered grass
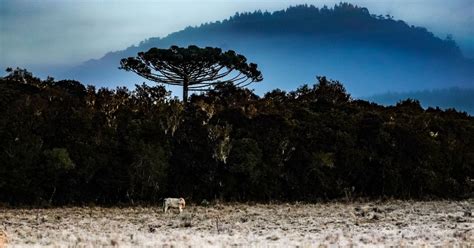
(444, 223)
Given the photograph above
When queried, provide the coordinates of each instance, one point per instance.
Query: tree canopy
(64, 143)
(193, 68)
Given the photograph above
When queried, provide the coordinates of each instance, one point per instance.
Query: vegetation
(371, 54)
(342, 21)
(65, 143)
(193, 68)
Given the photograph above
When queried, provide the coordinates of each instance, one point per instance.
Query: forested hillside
(371, 53)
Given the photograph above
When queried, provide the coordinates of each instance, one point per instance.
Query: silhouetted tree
(193, 68)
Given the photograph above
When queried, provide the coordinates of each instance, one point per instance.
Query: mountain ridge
(358, 20)
(370, 54)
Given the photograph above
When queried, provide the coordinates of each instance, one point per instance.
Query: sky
(68, 32)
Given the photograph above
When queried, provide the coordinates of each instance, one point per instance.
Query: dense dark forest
(65, 143)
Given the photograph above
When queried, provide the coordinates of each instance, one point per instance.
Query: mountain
(370, 54)
(457, 98)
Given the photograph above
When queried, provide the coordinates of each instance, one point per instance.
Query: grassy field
(307, 225)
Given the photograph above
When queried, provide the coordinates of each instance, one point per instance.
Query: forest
(62, 142)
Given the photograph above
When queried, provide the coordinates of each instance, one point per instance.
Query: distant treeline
(459, 98)
(64, 143)
(341, 22)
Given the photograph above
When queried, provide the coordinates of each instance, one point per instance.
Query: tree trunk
(185, 90)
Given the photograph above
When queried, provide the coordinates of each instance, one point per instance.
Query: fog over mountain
(369, 54)
(457, 98)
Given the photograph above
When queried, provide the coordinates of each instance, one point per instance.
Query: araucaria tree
(194, 68)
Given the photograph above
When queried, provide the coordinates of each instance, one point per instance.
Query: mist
(36, 34)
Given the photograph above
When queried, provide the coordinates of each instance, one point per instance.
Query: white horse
(173, 203)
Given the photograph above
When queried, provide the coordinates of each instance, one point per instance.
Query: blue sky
(53, 32)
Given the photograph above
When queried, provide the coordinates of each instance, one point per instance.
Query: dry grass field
(405, 223)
